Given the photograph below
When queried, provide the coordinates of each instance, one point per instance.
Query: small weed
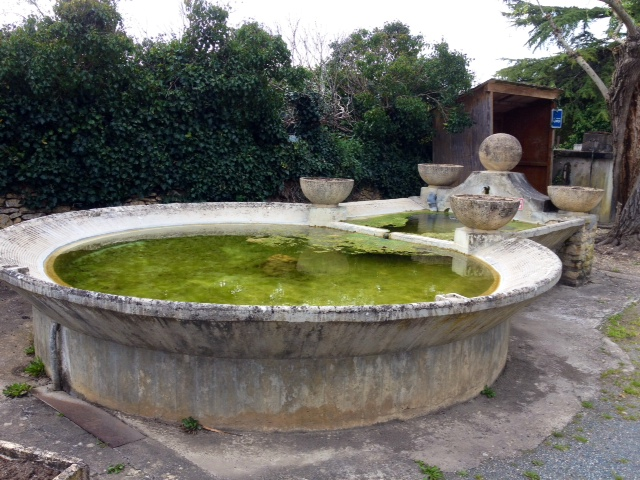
(488, 392)
(537, 463)
(478, 477)
(30, 350)
(586, 404)
(622, 460)
(561, 447)
(431, 471)
(607, 416)
(101, 444)
(581, 439)
(558, 434)
(462, 473)
(617, 477)
(118, 468)
(35, 368)
(610, 372)
(191, 425)
(60, 414)
(531, 475)
(16, 390)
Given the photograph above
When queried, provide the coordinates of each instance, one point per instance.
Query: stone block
(61, 209)
(30, 216)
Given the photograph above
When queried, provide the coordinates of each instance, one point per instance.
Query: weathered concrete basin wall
(257, 367)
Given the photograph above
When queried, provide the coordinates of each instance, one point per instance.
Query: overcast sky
(473, 27)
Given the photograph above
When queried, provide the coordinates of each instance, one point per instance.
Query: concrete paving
(556, 356)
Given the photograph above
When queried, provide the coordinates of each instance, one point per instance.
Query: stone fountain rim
(488, 198)
(329, 179)
(575, 187)
(13, 272)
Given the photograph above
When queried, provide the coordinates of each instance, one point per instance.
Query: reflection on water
(433, 224)
(263, 265)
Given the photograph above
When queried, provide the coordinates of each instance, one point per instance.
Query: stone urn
(439, 175)
(326, 191)
(574, 198)
(500, 152)
(484, 212)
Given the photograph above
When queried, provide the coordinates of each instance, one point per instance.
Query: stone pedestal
(578, 251)
(471, 239)
(321, 216)
(429, 196)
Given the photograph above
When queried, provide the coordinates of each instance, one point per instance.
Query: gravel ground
(603, 441)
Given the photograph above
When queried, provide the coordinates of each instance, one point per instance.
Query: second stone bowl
(439, 174)
(484, 212)
(326, 191)
(574, 198)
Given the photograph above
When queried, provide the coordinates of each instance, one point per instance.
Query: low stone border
(14, 211)
(70, 468)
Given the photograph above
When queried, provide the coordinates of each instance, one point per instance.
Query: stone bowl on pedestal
(574, 198)
(439, 175)
(500, 152)
(326, 191)
(484, 212)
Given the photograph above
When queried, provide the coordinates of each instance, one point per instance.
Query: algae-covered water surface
(429, 224)
(249, 265)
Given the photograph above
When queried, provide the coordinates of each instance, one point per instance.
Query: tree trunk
(624, 110)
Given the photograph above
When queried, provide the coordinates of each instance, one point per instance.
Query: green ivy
(89, 117)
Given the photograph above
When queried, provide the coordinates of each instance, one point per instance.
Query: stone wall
(577, 254)
(13, 209)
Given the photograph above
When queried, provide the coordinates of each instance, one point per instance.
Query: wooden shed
(498, 106)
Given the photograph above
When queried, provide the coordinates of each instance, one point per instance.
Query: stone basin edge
(526, 268)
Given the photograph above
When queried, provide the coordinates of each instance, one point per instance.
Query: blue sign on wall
(556, 118)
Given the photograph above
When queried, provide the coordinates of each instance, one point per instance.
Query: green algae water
(429, 224)
(268, 265)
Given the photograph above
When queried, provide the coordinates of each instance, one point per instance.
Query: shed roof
(508, 95)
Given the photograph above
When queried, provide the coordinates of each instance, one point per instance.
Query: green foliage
(35, 368)
(191, 425)
(16, 390)
(573, 23)
(118, 468)
(488, 392)
(432, 472)
(585, 110)
(30, 350)
(393, 84)
(88, 117)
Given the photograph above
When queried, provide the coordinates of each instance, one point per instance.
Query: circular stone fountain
(262, 367)
(575, 198)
